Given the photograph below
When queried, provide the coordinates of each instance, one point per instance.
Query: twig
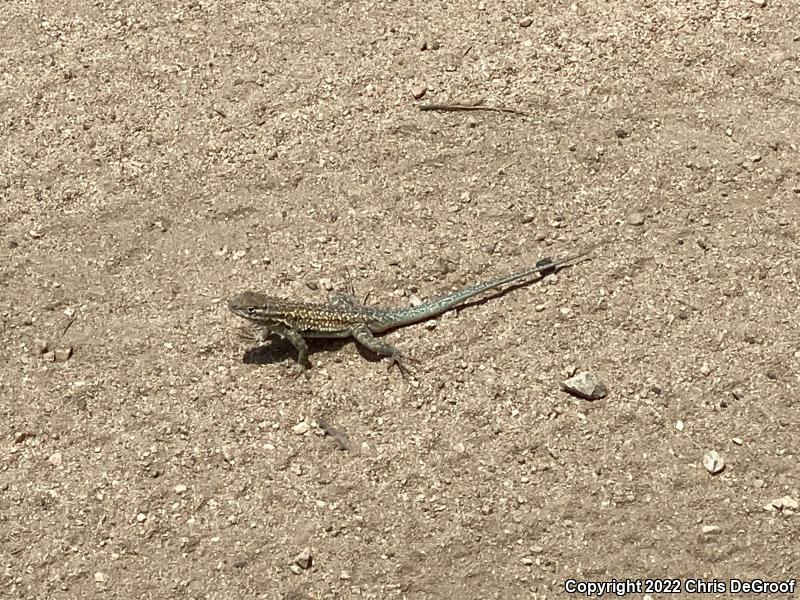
(457, 107)
(68, 325)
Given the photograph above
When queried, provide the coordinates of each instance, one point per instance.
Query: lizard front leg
(363, 336)
(295, 339)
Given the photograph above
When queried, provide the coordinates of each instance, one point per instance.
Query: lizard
(344, 316)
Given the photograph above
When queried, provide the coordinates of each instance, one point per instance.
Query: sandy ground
(157, 159)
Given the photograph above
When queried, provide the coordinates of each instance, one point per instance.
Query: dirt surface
(157, 159)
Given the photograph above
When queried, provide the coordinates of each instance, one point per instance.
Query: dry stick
(71, 321)
(456, 107)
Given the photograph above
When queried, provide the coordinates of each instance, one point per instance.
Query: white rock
(585, 385)
(713, 462)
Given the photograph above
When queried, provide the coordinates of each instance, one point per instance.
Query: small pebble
(789, 502)
(525, 22)
(737, 441)
(786, 503)
(636, 219)
(705, 370)
(304, 559)
(39, 346)
(62, 354)
(713, 462)
(301, 428)
(585, 385)
(710, 530)
(141, 517)
(679, 425)
(56, 459)
(100, 577)
(418, 91)
(180, 489)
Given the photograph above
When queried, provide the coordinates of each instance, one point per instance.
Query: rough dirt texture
(157, 159)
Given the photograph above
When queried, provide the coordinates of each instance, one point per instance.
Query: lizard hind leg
(363, 336)
(346, 299)
(339, 300)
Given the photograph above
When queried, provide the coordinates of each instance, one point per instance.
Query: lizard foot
(301, 369)
(402, 361)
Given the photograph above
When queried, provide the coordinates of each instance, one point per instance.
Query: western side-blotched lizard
(343, 316)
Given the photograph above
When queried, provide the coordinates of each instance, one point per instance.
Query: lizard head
(254, 306)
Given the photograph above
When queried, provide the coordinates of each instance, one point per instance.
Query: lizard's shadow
(279, 350)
